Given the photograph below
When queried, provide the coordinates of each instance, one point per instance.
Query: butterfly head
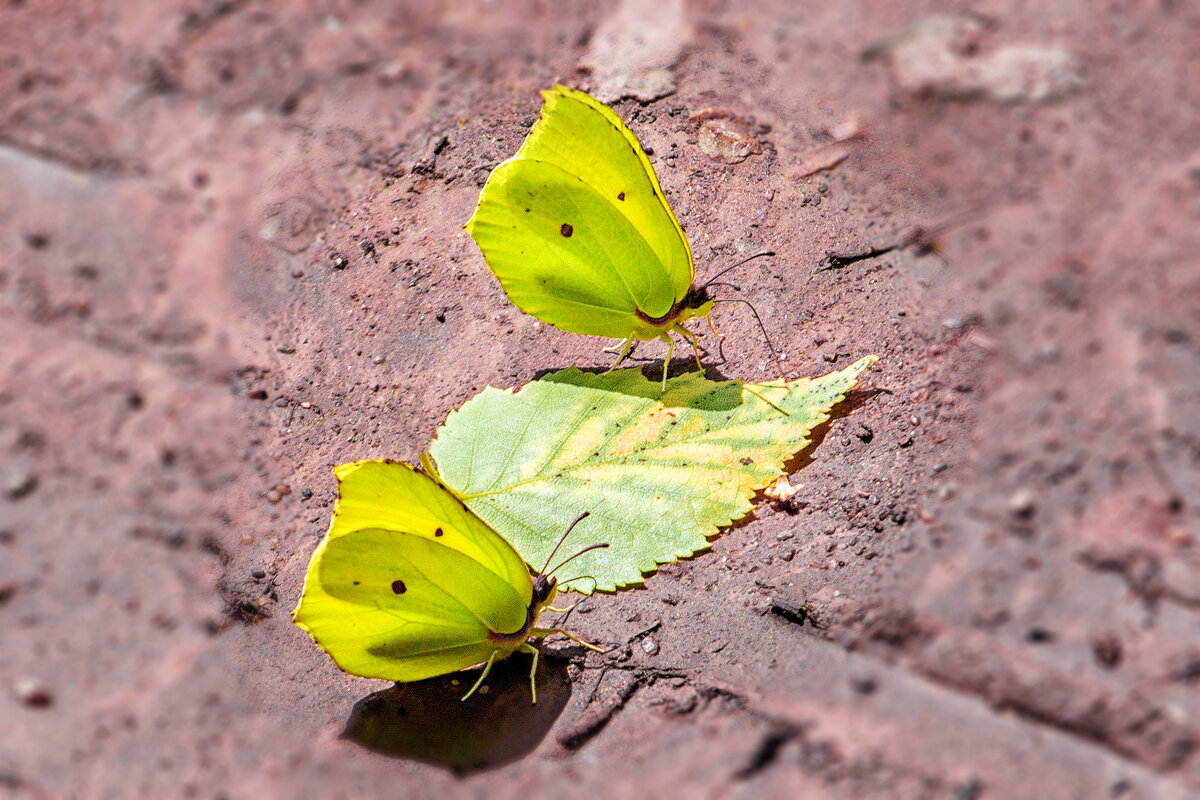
(697, 300)
(545, 587)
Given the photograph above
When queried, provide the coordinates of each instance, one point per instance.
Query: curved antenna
(738, 264)
(588, 549)
(562, 539)
(568, 582)
(762, 328)
(592, 578)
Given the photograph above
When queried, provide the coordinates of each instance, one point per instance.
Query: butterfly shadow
(686, 388)
(428, 720)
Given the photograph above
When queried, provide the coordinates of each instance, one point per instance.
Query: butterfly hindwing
(398, 606)
(552, 241)
(577, 229)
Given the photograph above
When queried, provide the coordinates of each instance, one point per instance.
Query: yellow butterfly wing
(401, 607)
(408, 583)
(577, 229)
(393, 495)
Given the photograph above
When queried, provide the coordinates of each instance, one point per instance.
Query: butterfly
(577, 229)
(408, 583)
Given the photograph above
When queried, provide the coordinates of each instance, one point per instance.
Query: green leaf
(659, 473)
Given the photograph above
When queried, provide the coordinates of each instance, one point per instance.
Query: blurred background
(235, 258)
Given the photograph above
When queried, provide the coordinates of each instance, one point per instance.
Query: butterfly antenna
(592, 578)
(562, 539)
(762, 328)
(588, 549)
(735, 266)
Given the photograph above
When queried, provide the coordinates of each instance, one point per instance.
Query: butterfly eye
(542, 588)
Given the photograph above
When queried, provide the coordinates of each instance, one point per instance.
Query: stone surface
(234, 258)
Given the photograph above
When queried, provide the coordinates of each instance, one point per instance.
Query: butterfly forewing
(585, 137)
(394, 496)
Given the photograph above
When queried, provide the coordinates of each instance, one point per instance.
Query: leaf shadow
(428, 720)
(855, 399)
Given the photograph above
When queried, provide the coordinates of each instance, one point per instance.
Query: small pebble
(1107, 649)
(19, 483)
(32, 693)
(650, 647)
(1022, 503)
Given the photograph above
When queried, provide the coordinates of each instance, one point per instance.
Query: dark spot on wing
(358, 583)
(527, 211)
(398, 587)
(437, 532)
(621, 196)
(566, 230)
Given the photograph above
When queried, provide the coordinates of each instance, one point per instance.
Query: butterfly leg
(620, 347)
(624, 346)
(528, 648)
(543, 632)
(483, 675)
(666, 337)
(720, 338)
(713, 328)
(695, 347)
